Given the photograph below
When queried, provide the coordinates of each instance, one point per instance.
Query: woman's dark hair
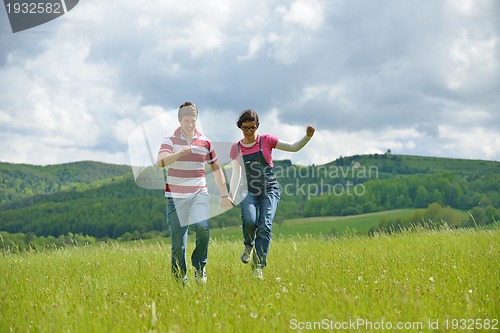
(248, 115)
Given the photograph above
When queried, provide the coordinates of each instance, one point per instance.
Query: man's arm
(220, 181)
(165, 158)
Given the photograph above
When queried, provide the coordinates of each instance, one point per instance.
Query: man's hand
(185, 151)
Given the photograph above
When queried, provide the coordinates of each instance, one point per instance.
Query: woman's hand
(310, 131)
(226, 203)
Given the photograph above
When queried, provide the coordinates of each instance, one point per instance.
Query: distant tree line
(119, 209)
(434, 217)
(18, 181)
(481, 196)
(20, 242)
(113, 208)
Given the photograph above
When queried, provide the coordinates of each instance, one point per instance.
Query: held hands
(310, 131)
(226, 203)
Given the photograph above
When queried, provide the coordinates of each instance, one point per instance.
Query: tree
(421, 197)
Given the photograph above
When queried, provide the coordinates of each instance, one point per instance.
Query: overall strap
(260, 145)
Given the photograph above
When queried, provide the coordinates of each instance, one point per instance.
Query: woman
(259, 186)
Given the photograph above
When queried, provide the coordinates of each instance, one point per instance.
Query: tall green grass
(325, 226)
(417, 276)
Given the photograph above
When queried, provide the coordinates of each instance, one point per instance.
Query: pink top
(268, 143)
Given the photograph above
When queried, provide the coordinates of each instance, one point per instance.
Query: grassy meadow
(419, 281)
(319, 226)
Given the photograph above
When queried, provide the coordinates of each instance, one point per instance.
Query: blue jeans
(178, 213)
(257, 214)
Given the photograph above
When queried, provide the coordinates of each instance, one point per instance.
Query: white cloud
(254, 47)
(465, 7)
(48, 101)
(60, 101)
(305, 13)
(473, 61)
(473, 142)
(414, 77)
(197, 38)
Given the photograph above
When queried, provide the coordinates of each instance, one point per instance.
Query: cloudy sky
(418, 77)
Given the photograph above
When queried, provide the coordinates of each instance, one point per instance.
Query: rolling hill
(102, 200)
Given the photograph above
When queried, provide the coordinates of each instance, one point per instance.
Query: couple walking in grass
(186, 153)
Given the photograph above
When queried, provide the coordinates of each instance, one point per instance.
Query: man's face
(188, 125)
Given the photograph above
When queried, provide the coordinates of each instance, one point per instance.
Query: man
(186, 152)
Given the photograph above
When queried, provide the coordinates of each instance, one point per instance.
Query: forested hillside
(102, 200)
(18, 181)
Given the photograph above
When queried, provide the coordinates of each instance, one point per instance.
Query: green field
(321, 226)
(419, 279)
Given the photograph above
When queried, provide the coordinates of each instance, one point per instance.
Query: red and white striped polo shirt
(186, 176)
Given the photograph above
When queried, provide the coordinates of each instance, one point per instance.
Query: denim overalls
(259, 206)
